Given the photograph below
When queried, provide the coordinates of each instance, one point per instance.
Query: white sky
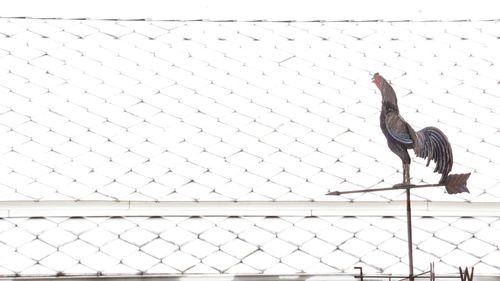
(254, 10)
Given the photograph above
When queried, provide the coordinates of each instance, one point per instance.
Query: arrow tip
(337, 193)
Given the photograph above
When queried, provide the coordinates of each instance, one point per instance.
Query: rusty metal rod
(396, 187)
(410, 236)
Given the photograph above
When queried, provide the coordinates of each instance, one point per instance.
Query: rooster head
(378, 80)
(388, 94)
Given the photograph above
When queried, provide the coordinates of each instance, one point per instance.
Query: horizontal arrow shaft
(337, 193)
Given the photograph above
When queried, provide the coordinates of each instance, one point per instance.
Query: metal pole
(409, 229)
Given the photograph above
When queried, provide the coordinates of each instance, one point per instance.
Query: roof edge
(10, 209)
(225, 277)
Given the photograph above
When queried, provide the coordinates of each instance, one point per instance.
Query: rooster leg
(406, 173)
(406, 176)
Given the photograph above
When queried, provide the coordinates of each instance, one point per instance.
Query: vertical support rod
(409, 229)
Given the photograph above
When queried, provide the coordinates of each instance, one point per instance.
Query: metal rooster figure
(430, 142)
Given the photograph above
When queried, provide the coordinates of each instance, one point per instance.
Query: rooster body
(429, 143)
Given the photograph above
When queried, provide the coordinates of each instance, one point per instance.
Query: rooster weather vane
(429, 143)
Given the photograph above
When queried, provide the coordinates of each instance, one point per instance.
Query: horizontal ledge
(334, 208)
(243, 277)
(198, 277)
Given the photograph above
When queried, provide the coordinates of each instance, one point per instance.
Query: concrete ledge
(222, 277)
(302, 209)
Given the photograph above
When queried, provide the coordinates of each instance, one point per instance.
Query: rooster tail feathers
(432, 144)
(456, 183)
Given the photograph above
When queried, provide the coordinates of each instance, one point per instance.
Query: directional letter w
(464, 275)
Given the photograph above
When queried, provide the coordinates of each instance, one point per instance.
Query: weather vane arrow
(458, 177)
